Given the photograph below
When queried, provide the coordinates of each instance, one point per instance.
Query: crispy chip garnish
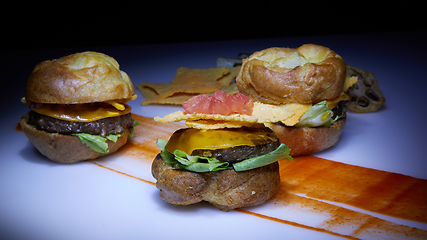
(213, 124)
(151, 97)
(349, 81)
(262, 113)
(299, 110)
(226, 79)
(181, 115)
(188, 83)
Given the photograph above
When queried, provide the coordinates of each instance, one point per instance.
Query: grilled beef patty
(103, 127)
(240, 153)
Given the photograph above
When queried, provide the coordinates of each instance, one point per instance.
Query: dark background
(38, 26)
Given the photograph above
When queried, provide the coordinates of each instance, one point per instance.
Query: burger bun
(66, 148)
(307, 140)
(225, 189)
(85, 77)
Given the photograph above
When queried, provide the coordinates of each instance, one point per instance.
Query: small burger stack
(311, 77)
(291, 102)
(226, 157)
(78, 107)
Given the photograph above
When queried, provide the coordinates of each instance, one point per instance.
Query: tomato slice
(220, 103)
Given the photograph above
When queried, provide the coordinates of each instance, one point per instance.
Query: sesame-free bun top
(78, 78)
(308, 74)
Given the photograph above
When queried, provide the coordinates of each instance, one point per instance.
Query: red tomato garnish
(240, 103)
(219, 107)
(197, 104)
(220, 103)
(220, 95)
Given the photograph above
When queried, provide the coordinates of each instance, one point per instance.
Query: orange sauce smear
(378, 191)
(128, 175)
(144, 141)
(292, 223)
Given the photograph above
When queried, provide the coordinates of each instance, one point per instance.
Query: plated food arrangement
(78, 107)
(242, 119)
(280, 102)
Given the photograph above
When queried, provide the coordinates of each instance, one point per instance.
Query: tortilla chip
(151, 97)
(181, 115)
(213, 124)
(227, 79)
(299, 110)
(262, 113)
(349, 81)
(210, 73)
(188, 83)
(231, 89)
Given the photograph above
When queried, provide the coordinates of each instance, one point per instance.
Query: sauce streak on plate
(307, 183)
(378, 191)
(310, 186)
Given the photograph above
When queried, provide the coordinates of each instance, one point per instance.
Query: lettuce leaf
(135, 123)
(282, 152)
(98, 143)
(319, 115)
(181, 160)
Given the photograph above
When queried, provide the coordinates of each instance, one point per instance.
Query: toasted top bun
(78, 78)
(308, 74)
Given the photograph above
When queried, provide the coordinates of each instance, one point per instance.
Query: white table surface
(40, 199)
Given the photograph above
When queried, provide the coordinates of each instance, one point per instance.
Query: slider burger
(78, 107)
(313, 79)
(226, 156)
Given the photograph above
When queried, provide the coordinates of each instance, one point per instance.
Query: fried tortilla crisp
(188, 83)
(289, 114)
(213, 124)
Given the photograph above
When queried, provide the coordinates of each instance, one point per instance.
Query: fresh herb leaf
(135, 123)
(319, 115)
(114, 137)
(95, 142)
(282, 152)
(181, 160)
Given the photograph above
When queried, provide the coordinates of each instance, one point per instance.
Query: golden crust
(225, 189)
(308, 74)
(78, 78)
(306, 140)
(64, 148)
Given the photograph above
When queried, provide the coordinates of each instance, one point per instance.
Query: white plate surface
(40, 199)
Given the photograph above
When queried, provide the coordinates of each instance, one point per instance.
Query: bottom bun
(65, 148)
(307, 140)
(225, 189)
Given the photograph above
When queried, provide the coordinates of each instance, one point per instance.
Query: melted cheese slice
(82, 112)
(191, 139)
(332, 103)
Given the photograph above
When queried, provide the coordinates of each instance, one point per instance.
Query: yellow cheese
(349, 81)
(117, 105)
(81, 112)
(334, 102)
(192, 139)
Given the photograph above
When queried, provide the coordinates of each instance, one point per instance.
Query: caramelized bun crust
(78, 78)
(308, 74)
(65, 148)
(307, 140)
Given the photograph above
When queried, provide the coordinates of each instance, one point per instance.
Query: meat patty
(226, 189)
(238, 153)
(103, 127)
